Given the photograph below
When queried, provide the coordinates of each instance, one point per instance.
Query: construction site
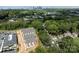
(19, 41)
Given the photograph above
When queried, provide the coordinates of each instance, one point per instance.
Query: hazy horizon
(31, 7)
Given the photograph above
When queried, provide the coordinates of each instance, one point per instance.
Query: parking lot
(8, 42)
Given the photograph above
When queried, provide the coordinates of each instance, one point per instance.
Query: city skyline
(31, 7)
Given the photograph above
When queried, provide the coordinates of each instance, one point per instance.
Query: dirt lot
(21, 43)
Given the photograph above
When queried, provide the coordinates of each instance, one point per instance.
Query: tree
(53, 49)
(64, 26)
(67, 45)
(74, 27)
(37, 24)
(45, 39)
(52, 27)
(40, 50)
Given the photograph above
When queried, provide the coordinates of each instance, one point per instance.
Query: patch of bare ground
(22, 46)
